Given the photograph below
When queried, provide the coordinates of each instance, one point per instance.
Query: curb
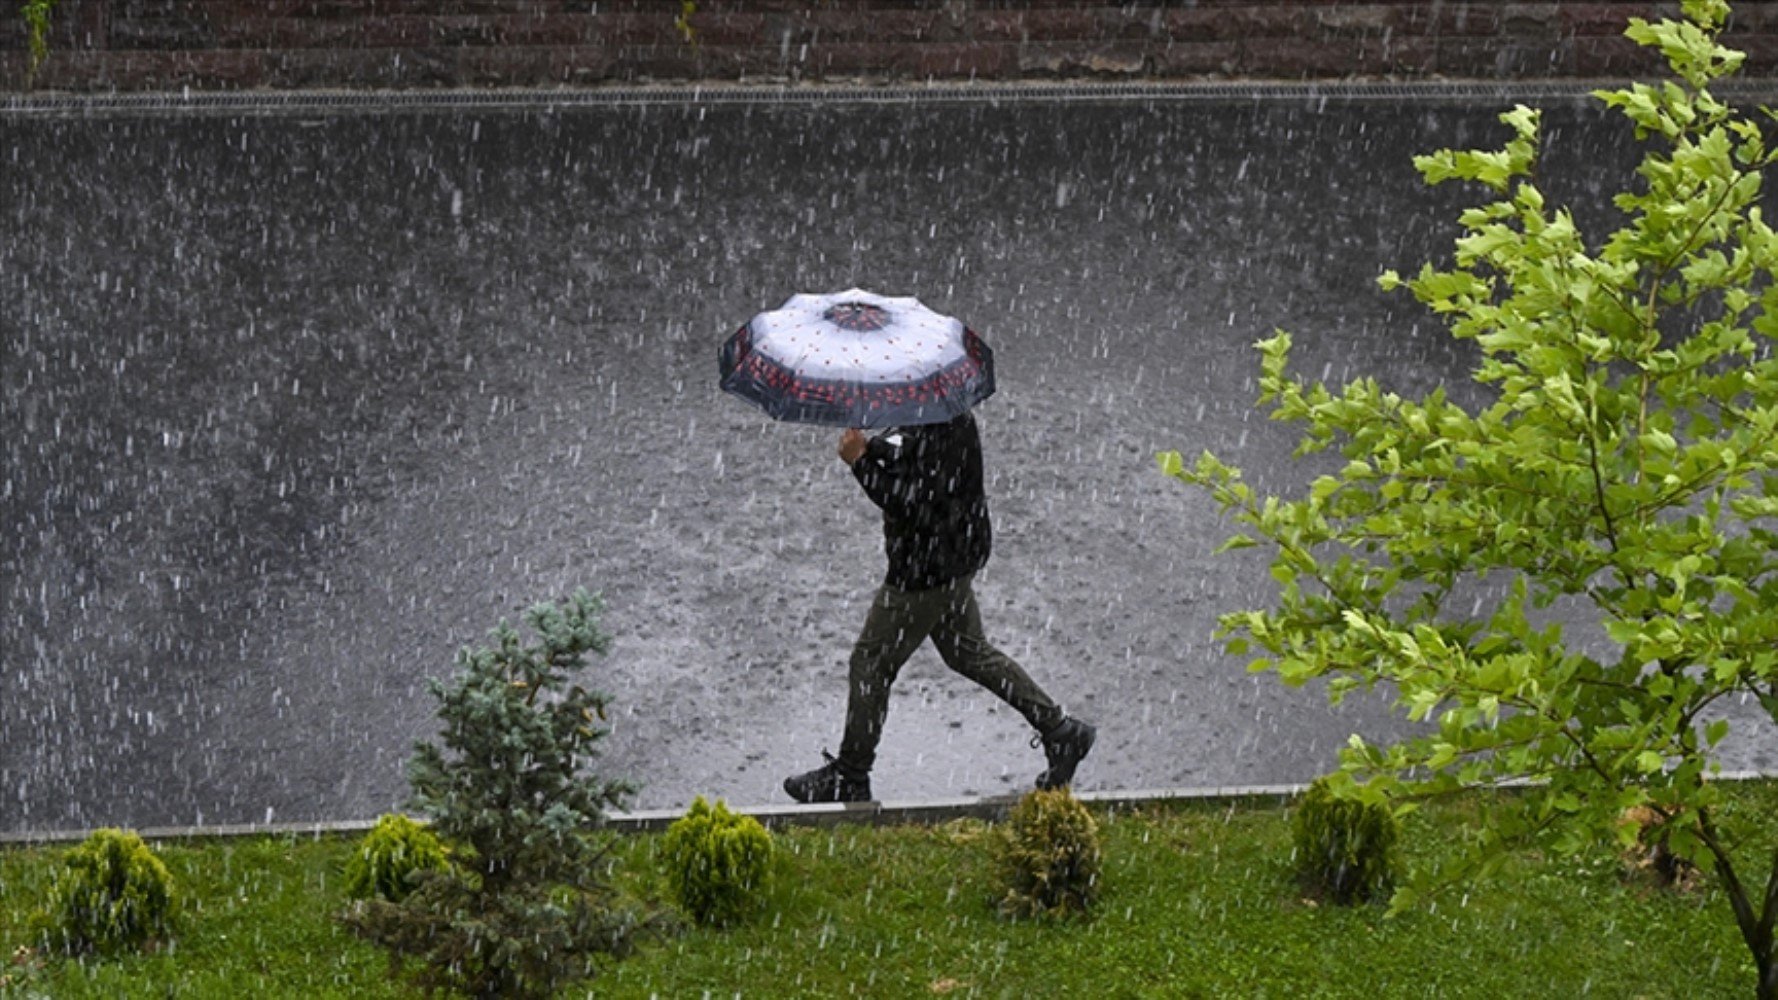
(873, 813)
(989, 808)
(325, 101)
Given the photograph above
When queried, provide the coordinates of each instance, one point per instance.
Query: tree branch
(1756, 929)
(1604, 509)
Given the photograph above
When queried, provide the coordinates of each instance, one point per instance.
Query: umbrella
(855, 359)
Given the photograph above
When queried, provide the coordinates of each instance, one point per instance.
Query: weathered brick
(1204, 24)
(1194, 58)
(780, 6)
(901, 27)
(850, 58)
(1118, 59)
(1360, 19)
(1612, 55)
(77, 24)
(1121, 24)
(289, 33)
(12, 36)
(885, 61)
(110, 71)
(630, 28)
(1543, 19)
(1407, 58)
(819, 24)
(729, 28)
(505, 67)
(580, 65)
(658, 62)
(1049, 24)
(376, 68)
(57, 72)
(467, 30)
(1464, 56)
(13, 67)
(408, 8)
(1298, 58)
(961, 61)
(1535, 59)
(1754, 18)
(1460, 19)
(997, 26)
(1343, 58)
(315, 33)
(735, 63)
(1762, 55)
(225, 69)
(297, 68)
(167, 31)
(1252, 23)
(1602, 18)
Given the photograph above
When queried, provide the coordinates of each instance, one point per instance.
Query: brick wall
(232, 44)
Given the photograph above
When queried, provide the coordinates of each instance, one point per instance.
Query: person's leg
(898, 621)
(966, 649)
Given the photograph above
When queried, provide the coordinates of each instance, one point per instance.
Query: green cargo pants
(898, 621)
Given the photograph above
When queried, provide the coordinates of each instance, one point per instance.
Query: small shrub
(717, 862)
(111, 894)
(1345, 850)
(1648, 857)
(1046, 857)
(390, 857)
(23, 975)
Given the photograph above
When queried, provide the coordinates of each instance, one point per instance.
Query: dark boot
(1065, 746)
(832, 782)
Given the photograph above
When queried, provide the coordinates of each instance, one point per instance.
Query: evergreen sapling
(525, 908)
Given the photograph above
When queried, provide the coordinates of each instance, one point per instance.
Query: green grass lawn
(1199, 900)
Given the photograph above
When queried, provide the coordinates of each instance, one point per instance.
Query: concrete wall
(101, 45)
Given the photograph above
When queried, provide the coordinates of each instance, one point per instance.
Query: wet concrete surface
(296, 406)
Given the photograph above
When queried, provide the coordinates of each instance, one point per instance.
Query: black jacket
(928, 480)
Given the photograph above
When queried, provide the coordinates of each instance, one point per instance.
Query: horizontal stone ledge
(989, 808)
(561, 99)
(218, 23)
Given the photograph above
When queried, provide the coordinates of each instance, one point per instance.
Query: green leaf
(1236, 542)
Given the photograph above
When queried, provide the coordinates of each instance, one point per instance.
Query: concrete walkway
(305, 400)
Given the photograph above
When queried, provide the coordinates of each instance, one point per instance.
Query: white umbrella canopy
(857, 359)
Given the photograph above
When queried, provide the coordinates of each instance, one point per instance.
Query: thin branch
(1604, 509)
(1480, 485)
(1728, 188)
(1686, 491)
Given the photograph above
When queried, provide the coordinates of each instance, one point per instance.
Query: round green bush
(1345, 850)
(389, 858)
(716, 862)
(1046, 857)
(112, 893)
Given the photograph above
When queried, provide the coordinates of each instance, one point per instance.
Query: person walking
(928, 481)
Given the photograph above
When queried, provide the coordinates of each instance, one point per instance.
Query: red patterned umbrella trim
(779, 390)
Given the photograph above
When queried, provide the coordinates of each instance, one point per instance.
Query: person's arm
(883, 466)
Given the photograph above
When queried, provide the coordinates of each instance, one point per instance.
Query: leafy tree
(1623, 463)
(525, 907)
